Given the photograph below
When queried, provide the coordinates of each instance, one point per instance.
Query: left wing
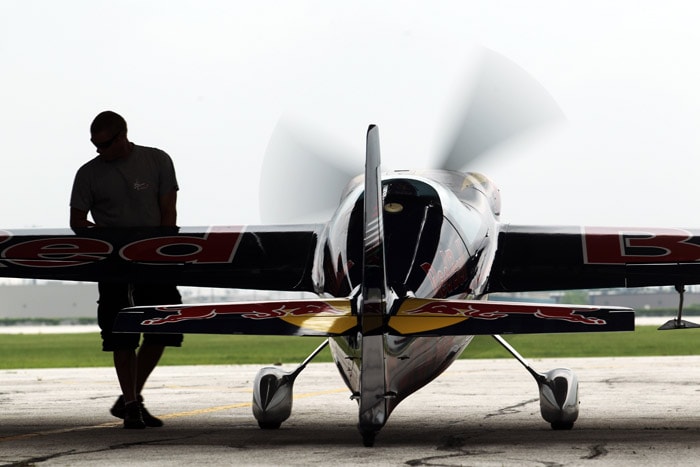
(251, 257)
(530, 258)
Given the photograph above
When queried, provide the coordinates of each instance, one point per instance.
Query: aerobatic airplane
(401, 273)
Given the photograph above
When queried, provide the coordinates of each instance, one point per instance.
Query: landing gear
(269, 425)
(679, 322)
(272, 397)
(368, 437)
(559, 397)
(562, 426)
(273, 393)
(558, 392)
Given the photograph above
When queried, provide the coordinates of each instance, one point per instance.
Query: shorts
(113, 297)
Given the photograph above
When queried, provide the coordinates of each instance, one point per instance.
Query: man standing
(127, 185)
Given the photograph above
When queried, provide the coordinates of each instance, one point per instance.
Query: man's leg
(114, 297)
(153, 345)
(146, 360)
(125, 365)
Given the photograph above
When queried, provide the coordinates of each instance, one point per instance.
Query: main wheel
(562, 425)
(368, 438)
(269, 425)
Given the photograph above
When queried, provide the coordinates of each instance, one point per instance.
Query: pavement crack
(511, 409)
(32, 461)
(595, 452)
(451, 443)
(145, 443)
(439, 460)
(35, 460)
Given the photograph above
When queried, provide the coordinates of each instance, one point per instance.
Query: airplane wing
(531, 258)
(251, 257)
(309, 317)
(435, 317)
(335, 317)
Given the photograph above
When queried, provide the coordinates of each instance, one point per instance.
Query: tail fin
(373, 308)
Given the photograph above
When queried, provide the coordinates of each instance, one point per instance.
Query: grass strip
(84, 350)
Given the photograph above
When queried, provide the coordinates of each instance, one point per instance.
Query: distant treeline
(690, 310)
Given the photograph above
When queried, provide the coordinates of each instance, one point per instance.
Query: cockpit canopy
(421, 247)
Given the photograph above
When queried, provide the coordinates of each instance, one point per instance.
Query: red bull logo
(256, 311)
(218, 245)
(610, 245)
(493, 311)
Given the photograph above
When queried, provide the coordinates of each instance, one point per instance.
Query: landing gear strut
(558, 391)
(678, 322)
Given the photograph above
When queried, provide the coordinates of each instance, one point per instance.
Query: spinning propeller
(302, 176)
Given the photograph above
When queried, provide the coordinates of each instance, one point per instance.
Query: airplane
(401, 275)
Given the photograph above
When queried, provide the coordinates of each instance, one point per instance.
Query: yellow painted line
(188, 413)
(58, 431)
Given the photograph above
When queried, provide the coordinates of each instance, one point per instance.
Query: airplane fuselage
(438, 227)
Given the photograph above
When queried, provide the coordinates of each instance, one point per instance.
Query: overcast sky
(207, 81)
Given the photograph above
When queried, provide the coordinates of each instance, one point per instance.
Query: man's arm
(78, 218)
(168, 209)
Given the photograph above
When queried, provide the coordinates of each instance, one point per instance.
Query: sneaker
(149, 419)
(119, 411)
(132, 416)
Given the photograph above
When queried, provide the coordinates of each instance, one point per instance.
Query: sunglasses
(108, 143)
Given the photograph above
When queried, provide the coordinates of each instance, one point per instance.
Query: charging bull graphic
(256, 311)
(497, 310)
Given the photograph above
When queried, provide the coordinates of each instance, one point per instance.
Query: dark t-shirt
(125, 192)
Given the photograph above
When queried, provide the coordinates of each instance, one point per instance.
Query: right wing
(531, 258)
(444, 317)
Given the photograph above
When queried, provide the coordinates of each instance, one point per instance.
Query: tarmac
(641, 411)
